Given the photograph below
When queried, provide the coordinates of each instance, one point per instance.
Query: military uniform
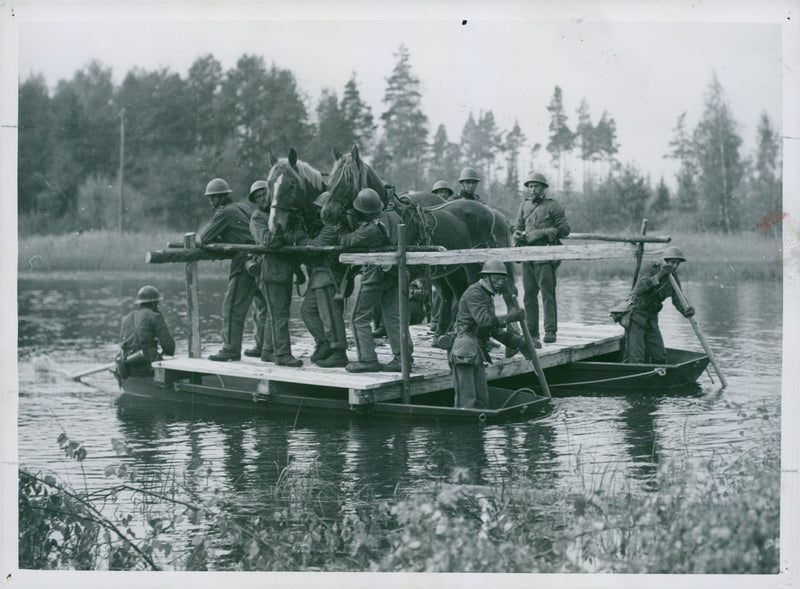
(643, 341)
(322, 312)
(476, 322)
(230, 224)
(145, 329)
(277, 272)
(378, 287)
(532, 218)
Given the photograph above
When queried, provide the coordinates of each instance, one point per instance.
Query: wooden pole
(405, 336)
(537, 366)
(95, 370)
(639, 254)
(192, 299)
(698, 331)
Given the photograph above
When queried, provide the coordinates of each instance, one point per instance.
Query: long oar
(95, 370)
(698, 331)
(534, 356)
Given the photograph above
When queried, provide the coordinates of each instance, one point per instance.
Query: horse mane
(305, 172)
(345, 174)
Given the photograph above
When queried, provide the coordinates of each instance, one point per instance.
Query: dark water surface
(72, 325)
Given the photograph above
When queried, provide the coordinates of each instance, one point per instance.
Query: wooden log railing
(224, 251)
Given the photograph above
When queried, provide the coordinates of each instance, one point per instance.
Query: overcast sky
(644, 68)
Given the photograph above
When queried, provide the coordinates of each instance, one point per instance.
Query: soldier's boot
(337, 359)
(321, 351)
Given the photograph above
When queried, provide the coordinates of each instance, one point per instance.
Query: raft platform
(430, 371)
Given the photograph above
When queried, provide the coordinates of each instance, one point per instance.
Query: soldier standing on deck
(372, 227)
(322, 311)
(476, 322)
(277, 272)
(230, 223)
(541, 221)
(468, 181)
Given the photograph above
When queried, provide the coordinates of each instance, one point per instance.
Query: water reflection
(343, 461)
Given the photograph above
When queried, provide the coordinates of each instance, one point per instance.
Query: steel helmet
(469, 174)
(536, 177)
(442, 185)
(673, 253)
(217, 186)
(147, 294)
(257, 185)
(322, 199)
(368, 202)
(494, 267)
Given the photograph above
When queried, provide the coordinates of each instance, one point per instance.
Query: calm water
(73, 325)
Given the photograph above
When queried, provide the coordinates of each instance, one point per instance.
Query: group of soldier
(265, 282)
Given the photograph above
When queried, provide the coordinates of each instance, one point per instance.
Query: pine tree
(682, 150)
(332, 131)
(358, 115)
(716, 146)
(606, 139)
(514, 141)
(211, 122)
(562, 139)
(766, 185)
(585, 134)
(35, 143)
(405, 131)
(661, 202)
(268, 112)
(444, 158)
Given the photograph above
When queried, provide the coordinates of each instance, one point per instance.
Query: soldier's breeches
(469, 382)
(279, 300)
(540, 278)
(323, 316)
(235, 306)
(643, 341)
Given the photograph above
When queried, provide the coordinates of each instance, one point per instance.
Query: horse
(292, 186)
(430, 220)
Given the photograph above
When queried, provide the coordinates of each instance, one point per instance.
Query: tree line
(181, 131)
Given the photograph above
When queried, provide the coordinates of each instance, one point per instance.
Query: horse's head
(292, 186)
(349, 175)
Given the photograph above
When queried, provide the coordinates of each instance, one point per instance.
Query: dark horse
(430, 220)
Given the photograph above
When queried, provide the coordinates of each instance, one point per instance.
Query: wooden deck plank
(430, 371)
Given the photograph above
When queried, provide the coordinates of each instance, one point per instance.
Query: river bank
(728, 258)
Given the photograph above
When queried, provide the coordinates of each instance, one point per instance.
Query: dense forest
(174, 133)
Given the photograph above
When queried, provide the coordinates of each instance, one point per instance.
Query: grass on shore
(710, 513)
(742, 256)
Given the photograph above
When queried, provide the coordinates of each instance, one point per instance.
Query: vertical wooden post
(192, 299)
(639, 254)
(405, 336)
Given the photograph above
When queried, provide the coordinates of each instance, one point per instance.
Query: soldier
(372, 227)
(143, 330)
(468, 181)
(230, 223)
(322, 311)
(643, 341)
(476, 322)
(442, 188)
(541, 221)
(275, 281)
